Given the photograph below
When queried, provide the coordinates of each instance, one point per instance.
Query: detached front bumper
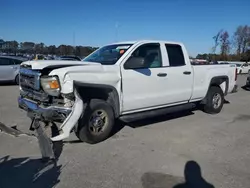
(68, 116)
(50, 113)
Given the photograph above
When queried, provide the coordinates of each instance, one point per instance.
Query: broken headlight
(51, 85)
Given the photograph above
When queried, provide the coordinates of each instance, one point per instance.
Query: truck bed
(204, 73)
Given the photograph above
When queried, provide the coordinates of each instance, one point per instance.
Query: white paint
(41, 64)
(203, 75)
(142, 89)
(94, 73)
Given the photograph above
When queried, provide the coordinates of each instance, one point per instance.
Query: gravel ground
(163, 152)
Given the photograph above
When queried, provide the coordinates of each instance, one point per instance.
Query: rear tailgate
(233, 80)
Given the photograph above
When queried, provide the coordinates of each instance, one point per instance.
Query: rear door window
(175, 55)
(17, 62)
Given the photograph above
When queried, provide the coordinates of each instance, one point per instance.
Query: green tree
(241, 40)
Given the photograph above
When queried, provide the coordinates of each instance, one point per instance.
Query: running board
(157, 112)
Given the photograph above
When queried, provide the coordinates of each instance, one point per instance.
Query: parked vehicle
(71, 58)
(243, 68)
(39, 57)
(127, 81)
(9, 68)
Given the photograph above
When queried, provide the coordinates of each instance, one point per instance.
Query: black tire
(210, 106)
(240, 72)
(17, 80)
(85, 130)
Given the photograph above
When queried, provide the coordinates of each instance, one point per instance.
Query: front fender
(109, 93)
(72, 119)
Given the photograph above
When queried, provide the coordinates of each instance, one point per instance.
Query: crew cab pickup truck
(127, 81)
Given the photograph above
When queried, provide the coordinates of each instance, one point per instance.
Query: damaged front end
(52, 107)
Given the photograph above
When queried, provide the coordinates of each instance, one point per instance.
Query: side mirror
(134, 63)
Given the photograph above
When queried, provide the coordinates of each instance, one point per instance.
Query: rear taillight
(236, 74)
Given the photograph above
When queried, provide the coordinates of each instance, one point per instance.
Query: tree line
(227, 47)
(234, 47)
(13, 47)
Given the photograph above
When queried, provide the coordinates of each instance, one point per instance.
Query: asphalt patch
(160, 180)
(242, 117)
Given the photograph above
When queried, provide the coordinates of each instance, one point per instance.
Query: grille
(29, 79)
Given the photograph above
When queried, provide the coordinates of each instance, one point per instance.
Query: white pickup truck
(127, 81)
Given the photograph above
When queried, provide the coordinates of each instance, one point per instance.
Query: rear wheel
(214, 100)
(97, 122)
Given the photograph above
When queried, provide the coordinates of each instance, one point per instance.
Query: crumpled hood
(81, 71)
(93, 73)
(41, 64)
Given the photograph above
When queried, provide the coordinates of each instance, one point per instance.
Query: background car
(243, 68)
(9, 68)
(224, 63)
(39, 57)
(71, 58)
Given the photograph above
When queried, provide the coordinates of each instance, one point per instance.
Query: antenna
(74, 39)
(116, 31)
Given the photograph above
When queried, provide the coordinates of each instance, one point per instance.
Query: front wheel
(17, 80)
(214, 100)
(97, 122)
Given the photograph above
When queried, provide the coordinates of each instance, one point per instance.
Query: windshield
(238, 65)
(108, 55)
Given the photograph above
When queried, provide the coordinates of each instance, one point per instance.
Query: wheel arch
(105, 92)
(218, 81)
(16, 80)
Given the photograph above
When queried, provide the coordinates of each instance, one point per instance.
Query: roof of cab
(147, 41)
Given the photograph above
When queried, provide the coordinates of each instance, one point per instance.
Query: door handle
(162, 74)
(187, 72)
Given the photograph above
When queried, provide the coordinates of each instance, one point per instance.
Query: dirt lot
(163, 152)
